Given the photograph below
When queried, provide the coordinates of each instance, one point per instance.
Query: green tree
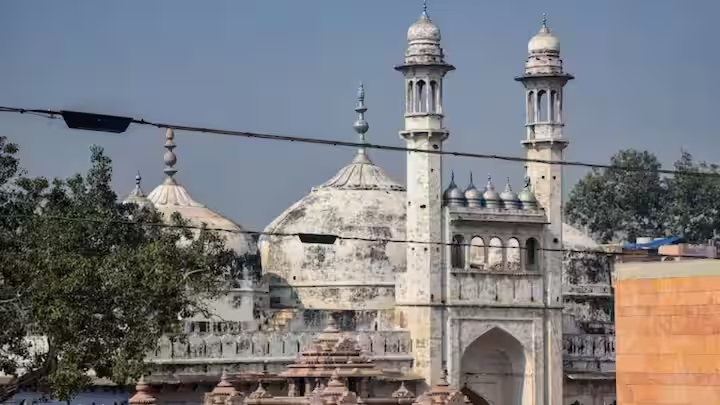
(100, 281)
(617, 203)
(693, 207)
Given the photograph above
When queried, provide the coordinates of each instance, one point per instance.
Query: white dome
(360, 201)
(544, 41)
(423, 30)
(170, 197)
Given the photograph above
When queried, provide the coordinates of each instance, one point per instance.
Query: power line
(314, 237)
(54, 114)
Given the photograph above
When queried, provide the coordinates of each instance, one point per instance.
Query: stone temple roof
(331, 354)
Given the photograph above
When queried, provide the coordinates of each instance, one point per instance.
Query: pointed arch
(433, 99)
(531, 107)
(531, 254)
(457, 254)
(420, 96)
(409, 98)
(495, 367)
(541, 107)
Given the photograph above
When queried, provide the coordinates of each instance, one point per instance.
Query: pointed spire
(489, 186)
(527, 181)
(508, 189)
(425, 13)
(544, 29)
(361, 126)
(137, 191)
(452, 178)
(472, 184)
(170, 158)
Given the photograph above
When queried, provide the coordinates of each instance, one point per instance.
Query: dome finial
(361, 126)
(544, 19)
(138, 179)
(170, 158)
(452, 176)
(472, 184)
(425, 13)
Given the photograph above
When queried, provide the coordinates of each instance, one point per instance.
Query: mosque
(384, 290)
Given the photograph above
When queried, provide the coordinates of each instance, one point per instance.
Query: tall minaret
(420, 291)
(544, 80)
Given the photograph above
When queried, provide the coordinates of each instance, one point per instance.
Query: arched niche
(478, 258)
(495, 255)
(513, 254)
(495, 368)
(532, 254)
(457, 252)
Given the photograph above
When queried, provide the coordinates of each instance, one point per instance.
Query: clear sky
(646, 78)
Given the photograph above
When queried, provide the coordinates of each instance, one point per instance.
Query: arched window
(531, 254)
(410, 101)
(541, 109)
(477, 253)
(495, 254)
(513, 255)
(433, 103)
(552, 107)
(420, 96)
(531, 107)
(457, 255)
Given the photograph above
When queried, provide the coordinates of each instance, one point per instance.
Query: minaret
(544, 80)
(420, 292)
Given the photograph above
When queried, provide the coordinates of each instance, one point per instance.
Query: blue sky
(646, 78)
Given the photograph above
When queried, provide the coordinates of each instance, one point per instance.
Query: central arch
(493, 368)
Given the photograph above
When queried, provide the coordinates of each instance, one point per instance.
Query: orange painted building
(668, 332)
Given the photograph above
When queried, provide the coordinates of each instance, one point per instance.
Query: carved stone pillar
(308, 387)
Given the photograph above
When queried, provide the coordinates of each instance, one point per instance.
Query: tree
(617, 203)
(693, 206)
(96, 281)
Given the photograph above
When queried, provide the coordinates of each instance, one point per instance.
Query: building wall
(668, 332)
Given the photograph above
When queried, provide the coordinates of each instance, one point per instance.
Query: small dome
(509, 198)
(472, 194)
(490, 194)
(527, 197)
(453, 195)
(424, 30)
(137, 195)
(544, 41)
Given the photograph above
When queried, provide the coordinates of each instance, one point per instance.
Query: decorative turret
(473, 196)
(509, 198)
(527, 197)
(137, 195)
(453, 196)
(491, 197)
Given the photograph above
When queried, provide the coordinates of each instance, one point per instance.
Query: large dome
(170, 197)
(365, 209)
(359, 202)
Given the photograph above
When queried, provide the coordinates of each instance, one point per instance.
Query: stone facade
(464, 287)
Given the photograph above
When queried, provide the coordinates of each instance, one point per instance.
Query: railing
(490, 287)
(589, 347)
(267, 344)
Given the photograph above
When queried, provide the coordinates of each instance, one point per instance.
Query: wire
(327, 236)
(54, 114)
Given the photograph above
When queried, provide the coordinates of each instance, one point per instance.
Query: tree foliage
(98, 280)
(618, 204)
